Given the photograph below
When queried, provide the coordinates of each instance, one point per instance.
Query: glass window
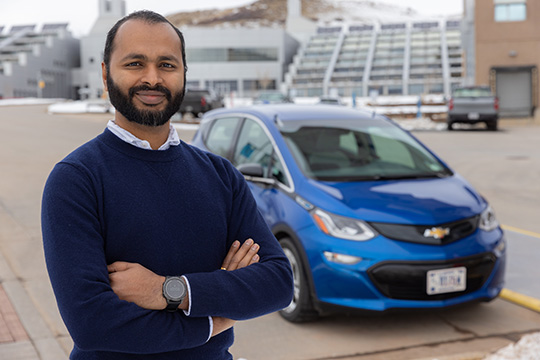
(231, 54)
(416, 89)
(220, 136)
(254, 147)
(352, 151)
(262, 84)
(511, 11)
(222, 86)
(395, 90)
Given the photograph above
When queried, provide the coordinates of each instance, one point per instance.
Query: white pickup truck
(471, 105)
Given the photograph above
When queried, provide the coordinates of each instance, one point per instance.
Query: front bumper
(392, 274)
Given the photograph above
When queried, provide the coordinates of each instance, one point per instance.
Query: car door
(254, 146)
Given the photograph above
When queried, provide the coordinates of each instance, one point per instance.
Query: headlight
(343, 227)
(488, 221)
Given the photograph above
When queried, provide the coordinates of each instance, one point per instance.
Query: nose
(151, 76)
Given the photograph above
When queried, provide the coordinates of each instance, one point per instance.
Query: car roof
(296, 112)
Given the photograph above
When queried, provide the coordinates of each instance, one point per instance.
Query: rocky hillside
(273, 13)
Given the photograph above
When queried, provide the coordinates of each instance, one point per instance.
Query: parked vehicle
(199, 101)
(330, 100)
(271, 97)
(473, 104)
(369, 218)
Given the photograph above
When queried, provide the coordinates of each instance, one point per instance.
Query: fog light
(342, 258)
(500, 248)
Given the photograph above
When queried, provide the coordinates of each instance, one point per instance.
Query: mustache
(159, 88)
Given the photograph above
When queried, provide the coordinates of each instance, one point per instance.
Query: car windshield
(472, 92)
(271, 96)
(329, 101)
(360, 150)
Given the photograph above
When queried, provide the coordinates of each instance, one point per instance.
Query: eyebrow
(135, 56)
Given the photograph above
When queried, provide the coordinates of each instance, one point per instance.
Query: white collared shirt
(123, 134)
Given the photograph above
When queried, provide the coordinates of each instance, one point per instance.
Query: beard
(124, 104)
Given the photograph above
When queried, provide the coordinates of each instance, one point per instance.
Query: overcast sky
(81, 14)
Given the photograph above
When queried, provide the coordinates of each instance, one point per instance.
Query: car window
(472, 92)
(352, 152)
(255, 147)
(220, 135)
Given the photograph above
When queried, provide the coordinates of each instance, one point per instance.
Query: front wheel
(301, 308)
(492, 126)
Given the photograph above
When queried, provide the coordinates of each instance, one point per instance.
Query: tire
(301, 307)
(492, 125)
(450, 126)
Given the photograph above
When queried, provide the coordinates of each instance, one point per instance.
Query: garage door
(515, 93)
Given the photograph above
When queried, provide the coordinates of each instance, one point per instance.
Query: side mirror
(255, 173)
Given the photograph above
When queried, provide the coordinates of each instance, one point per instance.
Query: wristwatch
(174, 291)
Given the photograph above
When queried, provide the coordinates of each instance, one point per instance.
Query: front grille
(420, 233)
(407, 280)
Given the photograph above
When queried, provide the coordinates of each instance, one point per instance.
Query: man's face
(146, 73)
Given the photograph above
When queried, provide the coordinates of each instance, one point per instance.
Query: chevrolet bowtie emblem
(437, 233)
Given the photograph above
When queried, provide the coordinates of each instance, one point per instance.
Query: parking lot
(504, 166)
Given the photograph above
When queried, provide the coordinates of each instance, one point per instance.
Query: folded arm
(134, 283)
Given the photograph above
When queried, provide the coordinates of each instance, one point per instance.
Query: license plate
(446, 280)
(474, 116)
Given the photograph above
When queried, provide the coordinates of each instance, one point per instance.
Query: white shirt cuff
(188, 311)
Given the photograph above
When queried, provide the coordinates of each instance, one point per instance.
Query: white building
(300, 58)
(239, 60)
(37, 62)
(87, 79)
(409, 58)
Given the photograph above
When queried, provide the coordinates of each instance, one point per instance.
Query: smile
(150, 97)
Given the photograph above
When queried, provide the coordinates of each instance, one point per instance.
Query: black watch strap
(172, 306)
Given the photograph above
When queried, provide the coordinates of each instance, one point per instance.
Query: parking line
(520, 299)
(521, 231)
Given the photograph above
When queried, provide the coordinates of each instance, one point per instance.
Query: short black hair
(149, 17)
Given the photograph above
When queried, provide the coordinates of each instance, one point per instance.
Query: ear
(104, 76)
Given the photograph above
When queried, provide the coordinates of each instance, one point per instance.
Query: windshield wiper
(440, 174)
(351, 178)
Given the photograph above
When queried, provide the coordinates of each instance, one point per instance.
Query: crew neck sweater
(176, 212)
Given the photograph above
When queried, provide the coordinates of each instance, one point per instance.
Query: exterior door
(514, 90)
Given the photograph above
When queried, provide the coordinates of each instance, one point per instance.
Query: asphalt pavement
(31, 142)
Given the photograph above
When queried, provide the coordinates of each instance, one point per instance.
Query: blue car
(369, 218)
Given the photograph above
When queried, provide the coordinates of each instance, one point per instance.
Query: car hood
(422, 201)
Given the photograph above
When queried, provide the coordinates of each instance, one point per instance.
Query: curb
(520, 299)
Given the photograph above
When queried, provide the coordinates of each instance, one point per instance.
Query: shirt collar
(172, 140)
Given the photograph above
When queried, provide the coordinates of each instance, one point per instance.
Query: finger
(246, 260)
(254, 259)
(118, 266)
(242, 251)
(232, 251)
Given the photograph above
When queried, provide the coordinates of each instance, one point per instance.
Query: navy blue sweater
(176, 212)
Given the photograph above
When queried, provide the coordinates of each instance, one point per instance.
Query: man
(135, 221)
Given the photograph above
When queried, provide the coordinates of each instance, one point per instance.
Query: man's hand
(238, 257)
(241, 256)
(135, 283)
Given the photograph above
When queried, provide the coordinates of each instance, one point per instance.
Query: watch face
(175, 289)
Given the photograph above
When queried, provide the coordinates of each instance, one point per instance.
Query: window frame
(502, 10)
